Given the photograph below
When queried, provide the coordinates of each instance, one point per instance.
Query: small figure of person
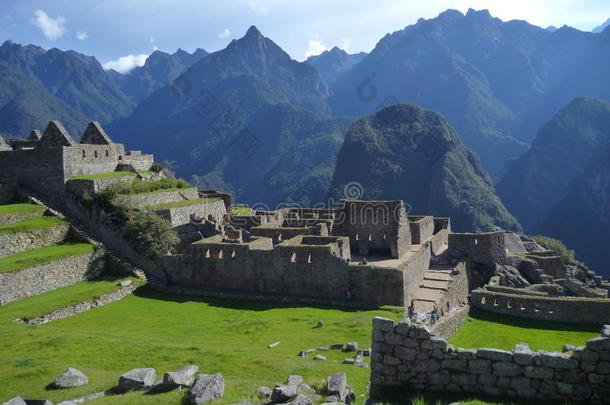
(448, 307)
(411, 311)
(434, 315)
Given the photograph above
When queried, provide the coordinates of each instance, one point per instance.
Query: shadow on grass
(532, 323)
(271, 301)
(408, 397)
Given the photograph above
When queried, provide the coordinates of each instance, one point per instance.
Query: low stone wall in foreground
(412, 358)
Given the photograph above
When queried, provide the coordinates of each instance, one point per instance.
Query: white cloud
(345, 43)
(125, 64)
(224, 33)
(258, 8)
(52, 28)
(315, 48)
(81, 35)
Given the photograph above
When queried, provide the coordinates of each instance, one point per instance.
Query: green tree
(151, 235)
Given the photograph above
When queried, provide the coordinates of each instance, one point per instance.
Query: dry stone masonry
(410, 357)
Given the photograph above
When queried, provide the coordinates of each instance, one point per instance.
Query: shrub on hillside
(566, 254)
(151, 235)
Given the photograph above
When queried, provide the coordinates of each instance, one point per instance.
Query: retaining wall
(144, 200)
(13, 243)
(565, 309)
(409, 357)
(19, 284)
(13, 217)
(182, 215)
(92, 186)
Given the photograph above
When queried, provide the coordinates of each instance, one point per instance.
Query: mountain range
(251, 120)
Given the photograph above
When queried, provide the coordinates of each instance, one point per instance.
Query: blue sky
(132, 29)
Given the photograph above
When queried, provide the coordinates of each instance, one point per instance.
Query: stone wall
(39, 169)
(92, 186)
(19, 284)
(409, 357)
(565, 309)
(8, 190)
(144, 200)
(214, 210)
(12, 217)
(439, 241)
(139, 162)
(449, 324)
(422, 228)
(419, 262)
(13, 243)
(486, 248)
(86, 159)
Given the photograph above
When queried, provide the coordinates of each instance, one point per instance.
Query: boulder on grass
(71, 378)
(336, 385)
(283, 393)
(300, 400)
(206, 388)
(15, 401)
(138, 378)
(264, 392)
(183, 377)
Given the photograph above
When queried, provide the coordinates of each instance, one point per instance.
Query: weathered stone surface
(603, 367)
(366, 352)
(336, 385)
(420, 332)
(337, 346)
(295, 379)
(183, 377)
(454, 364)
(434, 343)
(467, 354)
(137, 378)
(479, 366)
(544, 373)
(596, 378)
(71, 378)
(606, 331)
(523, 355)
(558, 360)
(402, 328)
(410, 343)
(206, 388)
(494, 354)
(305, 389)
(600, 343)
(487, 379)
(405, 354)
(125, 283)
(300, 400)
(282, 393)
(584, 354)
(264, 392)
(506, 369)
(319, 357)
(351, 347)
(520, 383)
(15, 401)
(565, 389)
(383, 324)
(426, 366)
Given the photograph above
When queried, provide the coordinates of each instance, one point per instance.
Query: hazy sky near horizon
(121, 33)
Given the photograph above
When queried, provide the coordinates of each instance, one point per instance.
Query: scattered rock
(319, 357)
(366, 352)
(606, 331)
(71, 378)
(183, 377)
(295, 380)
(206, 388)
(567, 348)
(16, 401)
(308, 351)
(338, 346)
(138, 378)
(300, 400)
(322, 348)
(302, 354)
(264, 392)
(349, 361)
(283, 393)
(320, 324)
(336, 385)
(351, 347)
(125, 283)
(358, 359)
(305, 389)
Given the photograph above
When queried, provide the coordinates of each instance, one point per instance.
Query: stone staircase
(434, 285)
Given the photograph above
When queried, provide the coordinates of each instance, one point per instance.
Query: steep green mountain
(560, 154)
(78, 80)
(582, 218)
(159, 70)
(496, 82)
(247, 119)
(25, 104)
(406, 152)
(333, 63)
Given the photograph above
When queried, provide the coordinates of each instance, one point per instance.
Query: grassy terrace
(148, 329)
(42, 255)
(17, 208)
(62, 297)
(485, 329)
(30, 224)
(183, 203)
(102, 175)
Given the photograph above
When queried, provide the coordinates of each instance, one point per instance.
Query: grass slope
(17, 208)
(62, 297)
(183, 203)
(485, 329)
(42, 255)
(30, 224)
(102, 175)
(167, 332)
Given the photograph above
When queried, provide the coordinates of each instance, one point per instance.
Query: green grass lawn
(241, 211)
(184, 203)
(168, 332)
(42, 255)
(23, 207)
(102, 175)
(62, 297)
(31, 224)
(486, 329)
